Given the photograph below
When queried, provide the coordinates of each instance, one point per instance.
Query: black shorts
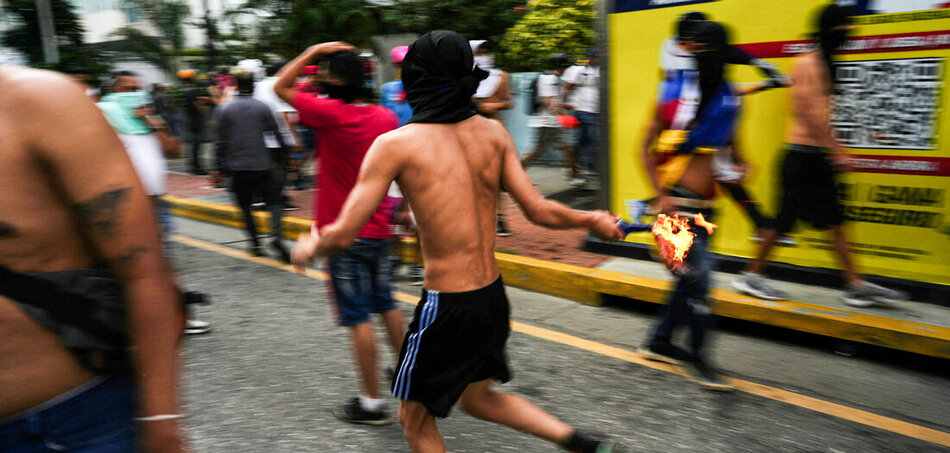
(809, 192)
(455, 339)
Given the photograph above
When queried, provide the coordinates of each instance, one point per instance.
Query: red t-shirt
(344, 134)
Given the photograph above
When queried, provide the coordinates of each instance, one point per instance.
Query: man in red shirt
(347, 125)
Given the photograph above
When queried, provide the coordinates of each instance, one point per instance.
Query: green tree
(287, 27)
(24, 36)
(550, 26)
(168, 16)
(473, 19)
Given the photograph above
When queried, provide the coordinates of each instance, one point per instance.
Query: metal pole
(47, 32)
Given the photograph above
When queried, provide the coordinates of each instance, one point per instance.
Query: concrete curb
(588, 285)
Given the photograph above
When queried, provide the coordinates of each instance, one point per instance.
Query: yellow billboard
(888, 113)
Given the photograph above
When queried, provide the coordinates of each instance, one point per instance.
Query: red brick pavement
(563, 246)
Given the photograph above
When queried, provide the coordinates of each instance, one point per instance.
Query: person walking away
(347, 125)
(242, 125)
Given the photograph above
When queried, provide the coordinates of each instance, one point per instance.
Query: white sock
(371, 404)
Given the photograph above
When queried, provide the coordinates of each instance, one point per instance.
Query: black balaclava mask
(439, 77)
(711, 62)
(829, 38)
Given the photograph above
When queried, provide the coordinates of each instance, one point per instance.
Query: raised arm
(550, 213)
(284, 87)
(380, 167)
(94, 175)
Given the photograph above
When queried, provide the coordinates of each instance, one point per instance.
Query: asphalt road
(268, 375)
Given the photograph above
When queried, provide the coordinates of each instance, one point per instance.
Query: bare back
(451, 177)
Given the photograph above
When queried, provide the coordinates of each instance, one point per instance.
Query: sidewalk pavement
(553, 262)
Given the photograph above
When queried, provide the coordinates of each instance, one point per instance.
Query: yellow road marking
(764, 391)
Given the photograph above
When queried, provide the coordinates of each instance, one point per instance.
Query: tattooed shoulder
(7, 230)
(129, 257)
(101, 212)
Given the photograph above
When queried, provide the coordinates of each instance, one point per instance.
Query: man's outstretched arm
(550, 213)
(380, 167)
(94, 175)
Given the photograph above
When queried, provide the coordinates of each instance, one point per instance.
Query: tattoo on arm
(7, 230)
(101, 212)
(129, 257)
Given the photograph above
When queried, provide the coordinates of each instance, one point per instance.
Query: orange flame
(674, 238)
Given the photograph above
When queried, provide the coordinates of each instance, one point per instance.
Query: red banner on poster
(901, 42)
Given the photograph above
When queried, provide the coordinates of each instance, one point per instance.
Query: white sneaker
(758, 286)
(195, 327)
(577, 182)
(867, 294)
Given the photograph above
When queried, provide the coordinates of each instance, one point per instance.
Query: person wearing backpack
(545, 106)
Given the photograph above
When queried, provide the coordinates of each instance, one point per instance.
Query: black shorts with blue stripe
(455, 339)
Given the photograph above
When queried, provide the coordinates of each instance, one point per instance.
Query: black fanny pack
(85, 307)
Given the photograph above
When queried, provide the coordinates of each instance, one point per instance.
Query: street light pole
(47, 32)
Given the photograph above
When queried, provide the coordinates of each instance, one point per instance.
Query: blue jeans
(360, 280)
(586, 139)
(688, 303)
(97, 419)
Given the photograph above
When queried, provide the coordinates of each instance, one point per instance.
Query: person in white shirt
(582, 94)
(546, 107)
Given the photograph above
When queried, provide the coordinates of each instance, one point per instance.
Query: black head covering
(687, 22)
(440, 77)
(830, 39)
(711, 63)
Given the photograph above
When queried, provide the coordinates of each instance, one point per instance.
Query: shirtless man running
(71, 200)
(813, 159)
(450, 164)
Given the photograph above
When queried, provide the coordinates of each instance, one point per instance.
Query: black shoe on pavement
(291, 207)
(501, 230)
(257, 250)
(281, 250)
(353, 412)
(706, 377)
(661, 350)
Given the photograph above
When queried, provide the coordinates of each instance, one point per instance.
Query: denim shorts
(96, 418)
(360, 281)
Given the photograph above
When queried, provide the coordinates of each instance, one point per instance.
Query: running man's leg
(419, 428)
(840, 240)
(481, 401)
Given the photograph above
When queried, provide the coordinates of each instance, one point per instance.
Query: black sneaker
(660, 350)
(291, 207)
(703, 375)
(501, 230)
(281, 250)
(257, 250)
(353, 412)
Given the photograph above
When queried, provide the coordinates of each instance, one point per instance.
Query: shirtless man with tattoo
(70, 199)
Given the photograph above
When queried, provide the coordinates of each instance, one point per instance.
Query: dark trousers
(196, 127)
(247, 184)
(688, 303)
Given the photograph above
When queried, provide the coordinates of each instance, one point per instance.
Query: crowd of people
(81, 219)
